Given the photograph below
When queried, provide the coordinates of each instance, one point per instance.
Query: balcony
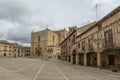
(90, 49)
(5, 50)
(108, 47)
(80, 52)
(9, 50)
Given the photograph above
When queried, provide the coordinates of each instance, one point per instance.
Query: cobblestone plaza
(36, 69)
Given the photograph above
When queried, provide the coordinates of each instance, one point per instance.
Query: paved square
(36, 69)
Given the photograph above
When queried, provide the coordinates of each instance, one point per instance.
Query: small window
(108, 38)
(53, 38)
(78, 45)
(69, 40)
(90, 42)
(38, 38)
(83, 45)
(4, 54)
(18, 51)
(73, 38)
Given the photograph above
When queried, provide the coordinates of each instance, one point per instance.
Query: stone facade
(98, 45)
(8, 49)
(21, 51)
(45, 43)
(69, 45)
(27, 51)
(18, 50)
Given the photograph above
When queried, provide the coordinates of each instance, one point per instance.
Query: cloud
(18, 18)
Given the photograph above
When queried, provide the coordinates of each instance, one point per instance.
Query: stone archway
(38, 51)
(92, 59)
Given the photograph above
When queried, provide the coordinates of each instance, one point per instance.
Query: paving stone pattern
(36, 69)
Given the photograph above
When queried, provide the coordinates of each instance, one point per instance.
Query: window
(49, 50)
(73, 38)
(83, 45)
(38, 38)
(90, 41)
(10, 46)
(53, 38)
(5, 46)
(78, 45)
(69, 40)
(66, 44)
(10, 50)
(4, 54)
(5, 50)
(18, 51)
(108, 38)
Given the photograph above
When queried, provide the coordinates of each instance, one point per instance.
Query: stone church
(45, 43)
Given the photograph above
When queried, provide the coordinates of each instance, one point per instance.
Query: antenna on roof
(96, 7)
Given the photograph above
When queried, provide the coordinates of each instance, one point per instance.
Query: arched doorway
(50, 53)
(92, 59)
(38, 51)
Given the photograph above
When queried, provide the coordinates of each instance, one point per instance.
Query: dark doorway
(66, 58)
(69, 59)
(38, 53)
(18, 55)
(21, 55)
(88, 59)
(81, 59)
(111, 60)
(4, 54)
(14, 55)
(74, 58)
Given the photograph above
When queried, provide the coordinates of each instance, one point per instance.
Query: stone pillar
(77, 59)
(99, 60)
(62, 58)
(85, 59)
(71, 59)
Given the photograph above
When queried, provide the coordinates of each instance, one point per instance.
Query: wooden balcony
(5, 50)
(90, 49)
(109, 47)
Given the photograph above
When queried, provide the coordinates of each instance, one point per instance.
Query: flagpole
(96, 12)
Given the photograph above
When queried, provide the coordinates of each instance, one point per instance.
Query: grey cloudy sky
(18, 18)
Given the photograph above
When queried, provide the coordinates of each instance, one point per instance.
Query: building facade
(21, 51)
(27, 51)
(69, 45)
(45, 43)
(6, 49)
(99, 45)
